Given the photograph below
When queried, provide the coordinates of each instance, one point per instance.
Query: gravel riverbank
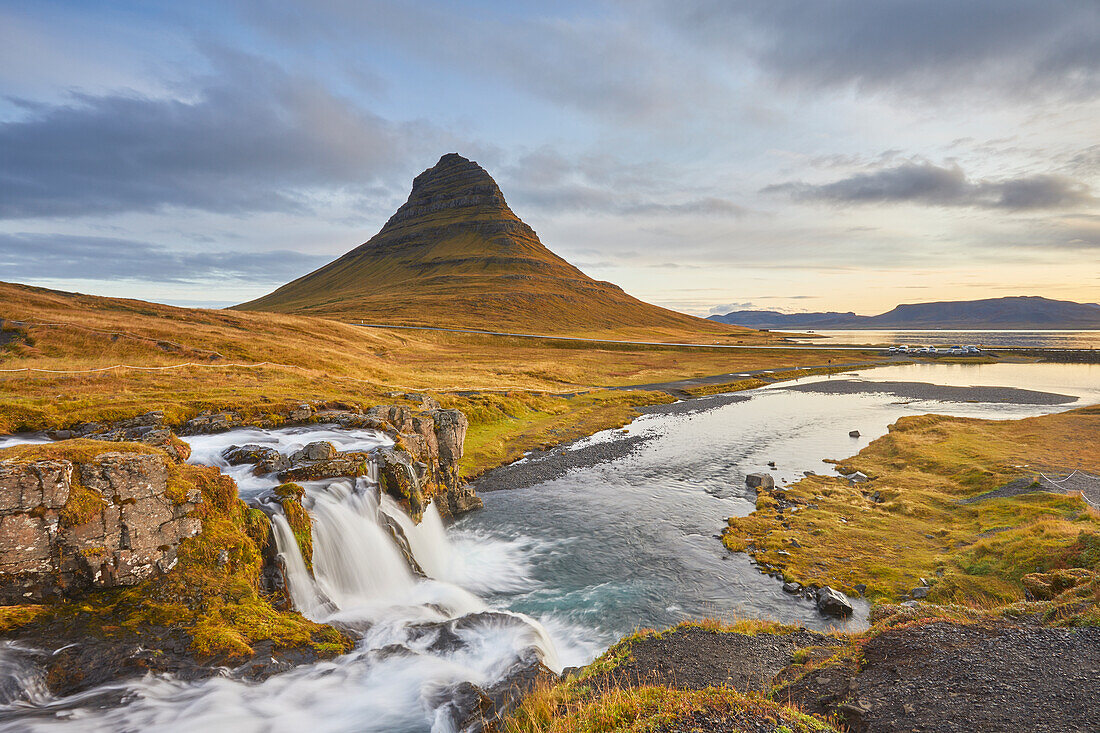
(935, 392)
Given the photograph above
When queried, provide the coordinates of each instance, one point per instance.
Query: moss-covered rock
(289, 496)
(206, 610)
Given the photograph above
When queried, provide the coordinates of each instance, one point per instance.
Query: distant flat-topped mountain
(1019, 312)
(454, 255)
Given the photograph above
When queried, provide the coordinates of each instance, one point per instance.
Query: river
(558, 569)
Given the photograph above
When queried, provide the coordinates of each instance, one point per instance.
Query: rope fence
(151, 368)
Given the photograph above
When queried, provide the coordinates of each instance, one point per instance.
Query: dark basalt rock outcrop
(264, 458)
(431, 437)
(149, 428)
(66, 527)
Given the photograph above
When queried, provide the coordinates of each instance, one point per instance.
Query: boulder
(317, 451)
(264, 458)
(211, 422)
(760, 481)
(853, 433)
(858, 477)
(399, 477)
(302, 413)
(920, 592)
(342, 465)
(832, 602)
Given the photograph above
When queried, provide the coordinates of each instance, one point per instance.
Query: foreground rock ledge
(430, 437)
(67, 527)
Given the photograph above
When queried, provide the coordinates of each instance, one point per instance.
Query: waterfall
(428, 540)
(355, 562)
(420, 639)
(304, 593)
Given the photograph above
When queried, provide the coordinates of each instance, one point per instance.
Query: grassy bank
(922, 516)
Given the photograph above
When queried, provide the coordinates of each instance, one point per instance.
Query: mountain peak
(455, 255)
(454, 182)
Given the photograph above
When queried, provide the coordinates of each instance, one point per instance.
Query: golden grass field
(511, 387)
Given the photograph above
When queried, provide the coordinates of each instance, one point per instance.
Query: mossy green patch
(290, 497)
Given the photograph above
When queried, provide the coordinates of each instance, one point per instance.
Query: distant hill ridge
(455, 255)
(1015, 312)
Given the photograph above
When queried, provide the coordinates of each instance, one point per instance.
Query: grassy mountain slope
(456, 255)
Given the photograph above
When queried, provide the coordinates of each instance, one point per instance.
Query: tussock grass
(565, 708)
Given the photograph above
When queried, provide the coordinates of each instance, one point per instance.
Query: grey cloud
(933, 46)
(926, 183)
(602, 184)
(35, 256)
(252, 138)
(616, 66)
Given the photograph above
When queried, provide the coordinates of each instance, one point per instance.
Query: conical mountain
(454, 255)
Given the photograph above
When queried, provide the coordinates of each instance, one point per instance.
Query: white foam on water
(419, 636)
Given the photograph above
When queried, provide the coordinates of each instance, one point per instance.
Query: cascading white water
(304, 593)
(428, 540)
(419, 637)
(355, 561)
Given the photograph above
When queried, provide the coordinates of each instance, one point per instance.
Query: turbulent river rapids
(551, 573)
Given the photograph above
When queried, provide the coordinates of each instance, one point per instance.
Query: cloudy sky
(705, 155)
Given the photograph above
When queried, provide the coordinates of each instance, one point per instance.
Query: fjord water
(567, 565)
(1050, 339)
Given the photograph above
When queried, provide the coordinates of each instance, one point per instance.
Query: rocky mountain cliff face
(456, 255)
(66, 526)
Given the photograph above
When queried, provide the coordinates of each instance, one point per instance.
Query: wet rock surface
(264, 458)
(68, 660)
(833, 603)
